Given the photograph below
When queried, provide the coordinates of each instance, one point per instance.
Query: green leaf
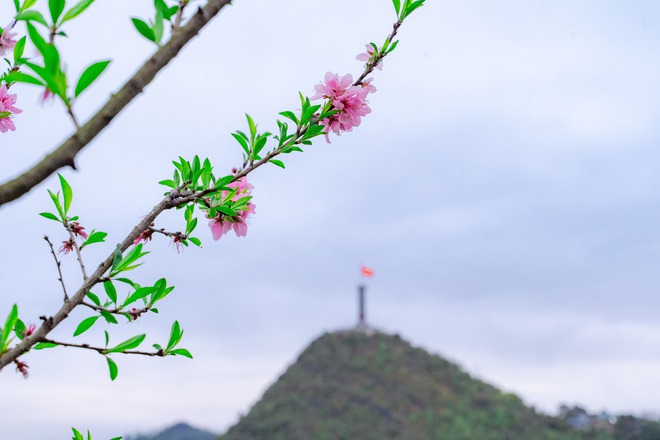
(108, 317)
(196, 241)
(32, 16)
(175, 335)
(19, 329)
(169, 183)
(110, 291)
(397, 6)
(138, 294)
(144, 29)
(117, 258)
(95, 237)
(95, 299)
(8, 328)
(279, 163)
(56, 7)
(290, 115)
(17, 5)
(107, 338)
(181, 352)
(77, 435)
(23, 78)
(67, 192)
(76, 10)
(85, 325)
(243, 143)
(412, 7)
(50, 216)
(19, 48)
(112, 367)
(37, 39)
(90, 75)
(44, 345)
(27, 5)
(128, 344)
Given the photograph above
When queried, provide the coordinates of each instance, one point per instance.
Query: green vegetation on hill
(353, 386)
(180, 431)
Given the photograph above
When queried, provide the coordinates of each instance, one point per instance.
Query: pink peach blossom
(7, 41)
(366, 56)
(7, 102)
(350, 100)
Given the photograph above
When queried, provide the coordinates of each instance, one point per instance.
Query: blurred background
(504, 189)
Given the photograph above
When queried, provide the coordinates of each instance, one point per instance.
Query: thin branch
(66, 153)
(104, 351)
(59, 267)
(74, 243)
(135, 313)
(378, 58)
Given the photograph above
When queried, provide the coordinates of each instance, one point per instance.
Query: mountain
(180, 431)
(366, 385)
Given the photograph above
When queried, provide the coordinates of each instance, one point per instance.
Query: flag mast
(365, 272)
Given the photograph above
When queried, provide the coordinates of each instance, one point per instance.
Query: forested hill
(354, 386)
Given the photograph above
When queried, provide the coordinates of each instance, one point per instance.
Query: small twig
(69, 110)
(104, 351)
(77, 248)
(179, 14)
(59, 267)
(117, 310)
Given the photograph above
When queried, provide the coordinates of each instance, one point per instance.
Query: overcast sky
(505, 190)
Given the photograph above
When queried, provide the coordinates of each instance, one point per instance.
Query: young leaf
(397, 6)
(67, 192)
(128, 344)
(56, 7)
(181, 352)
(108, 317)
(32, 16)
(95, 299)
(19, 329)
(144, 29)
(90, 75)
(27, 5)
(279, 163)
(85, 325)
(50, 216)
(44, 345)
(37, 39)
(110, 291)
(76, 10)
(117, 258)
(175, 335)
(95, 237)
(9, 326)
(112, 367)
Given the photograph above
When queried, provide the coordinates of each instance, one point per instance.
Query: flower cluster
(350, 101)
(222, 223)
(7, 109)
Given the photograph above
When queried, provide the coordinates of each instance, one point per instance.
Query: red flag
(366, 272)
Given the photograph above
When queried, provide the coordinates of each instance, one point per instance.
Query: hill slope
(349, 385)
(180, 431)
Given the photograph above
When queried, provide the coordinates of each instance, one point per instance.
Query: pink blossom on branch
(366, 56)
(78, 231)
(7, 109)
(222, 223)
(350, 101)
(7, 41)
